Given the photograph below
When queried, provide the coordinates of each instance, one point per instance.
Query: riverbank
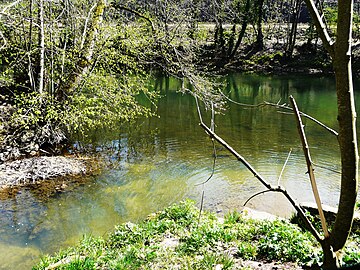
(180, 237)
(32, 170)
(46, 175)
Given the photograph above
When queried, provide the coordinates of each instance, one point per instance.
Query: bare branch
(137, 14)
(213, 167)
(10, 6)
(257, 175)
(283, 168)
(309, 165)
(212, 140)
(4, 39)
(281, 106)
(86, 24)
(259, 193)
(284, 106)
(321, 27)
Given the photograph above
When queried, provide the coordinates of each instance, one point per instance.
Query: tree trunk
(293, 32)
(84, 62)
(243, 29)
(341, 57)
(260, 37)
(41, 48)
(347, 125)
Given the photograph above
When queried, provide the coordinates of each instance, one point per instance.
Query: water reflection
(161, 160)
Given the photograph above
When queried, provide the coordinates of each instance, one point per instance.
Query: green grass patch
(176, 238)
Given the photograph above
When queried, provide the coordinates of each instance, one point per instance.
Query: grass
(175, 239)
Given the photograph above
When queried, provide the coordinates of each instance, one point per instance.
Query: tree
(340, 52)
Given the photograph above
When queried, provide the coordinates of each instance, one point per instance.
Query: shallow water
(165, 159)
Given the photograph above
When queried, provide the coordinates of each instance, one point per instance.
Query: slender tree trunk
(41, 48)
(293, 32)
(341, 57)
(243, 29)
(347, 125)
(231, 40)
(84, 62)
(30, 68)
(260, 36)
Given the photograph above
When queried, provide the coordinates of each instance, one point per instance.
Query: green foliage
(79, 264)
(281, 240)
(173, 237)
(106, 101)
(331, 15)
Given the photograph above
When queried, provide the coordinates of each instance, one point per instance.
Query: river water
(165, 159)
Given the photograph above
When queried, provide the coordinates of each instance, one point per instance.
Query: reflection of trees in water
(20, 216)
(178, 120)
(254, 89)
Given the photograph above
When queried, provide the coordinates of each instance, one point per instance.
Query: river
(165, 159)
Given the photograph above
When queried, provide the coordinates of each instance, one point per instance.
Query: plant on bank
(174, 238)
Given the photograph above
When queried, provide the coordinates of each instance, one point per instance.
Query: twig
(281, 106)
(239, 103)
(4, 39)
(201, 206)
(284, 106)
(283, 168)
(137, 14)
(10, 6)
(309, 165)
(259, 193)
(213, 167)
(325, 168)
(85, 26)
(214, 153)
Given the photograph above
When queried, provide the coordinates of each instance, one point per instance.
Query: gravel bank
(33, 170)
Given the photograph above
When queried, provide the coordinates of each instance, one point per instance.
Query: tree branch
(256, 194)
(10, 6)
(257, 175)
(284, 106)
(321, 27)
(281, 106)
(309, 165)
(121, 7)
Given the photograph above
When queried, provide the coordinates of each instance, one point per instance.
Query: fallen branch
(253, 196)
(283, 168)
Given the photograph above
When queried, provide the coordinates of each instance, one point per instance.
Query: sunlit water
(164, 160)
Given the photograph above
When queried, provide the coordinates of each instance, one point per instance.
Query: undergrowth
(175, 238)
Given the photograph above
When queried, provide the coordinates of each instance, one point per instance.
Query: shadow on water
(160, 160)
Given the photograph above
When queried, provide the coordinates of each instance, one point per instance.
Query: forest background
(68, 67)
